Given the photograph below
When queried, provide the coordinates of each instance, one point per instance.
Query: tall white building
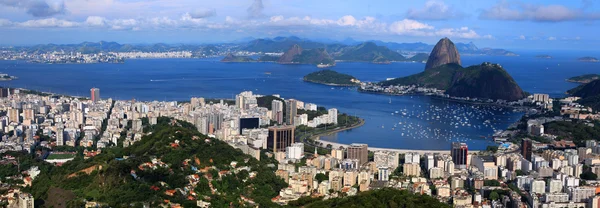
(296, 151)
(333, 115)
(538, 187)
(384, 173)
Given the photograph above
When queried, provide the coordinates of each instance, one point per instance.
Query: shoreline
(440, 98)
(318, 136)
(330, 84)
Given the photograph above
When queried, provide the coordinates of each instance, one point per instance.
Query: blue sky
(535, 24)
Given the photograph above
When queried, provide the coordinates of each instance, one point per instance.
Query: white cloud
(520, 11)
(95, 21)
(203, 13)
(522, 37)
(37, 8)
(409, 27)
(5, 22)
(49, 22)
(273, 25)
(434, 10)
(551, 38)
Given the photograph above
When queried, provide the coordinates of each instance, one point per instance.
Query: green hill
(330, 77)
(175, 159)
(488, 81)
(369, 52)
(419, 57)
(589, 93)
(231, 58)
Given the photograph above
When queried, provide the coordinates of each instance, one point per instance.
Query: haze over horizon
(516, 24)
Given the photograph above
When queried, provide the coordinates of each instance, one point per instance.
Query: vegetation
(313, 114)
(576, 131)
(330, 77)
(231, 58)
(488, 81)
(586, 78)
(588, 175)
(268, 58)
(313, 56)
(386, 197)
(267, 100)
(589, 93)
(110, 179)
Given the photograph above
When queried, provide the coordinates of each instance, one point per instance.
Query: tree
(494, 196)
(588, 175)
(321, 177)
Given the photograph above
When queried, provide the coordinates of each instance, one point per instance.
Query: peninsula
(588, 59)
(584, 79)
(330, 77)
(445, 76)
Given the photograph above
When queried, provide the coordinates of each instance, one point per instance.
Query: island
(584, 79)
(588, 59)
(330, 77)
(6, 77)
(544, 56)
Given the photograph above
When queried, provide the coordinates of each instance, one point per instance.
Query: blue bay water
(418, 128)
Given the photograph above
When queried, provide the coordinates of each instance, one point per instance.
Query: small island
(544, 56)
(6, 77)
(332, 78)
(584, 79)
(588, 59)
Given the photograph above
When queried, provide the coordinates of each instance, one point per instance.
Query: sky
(510, 24)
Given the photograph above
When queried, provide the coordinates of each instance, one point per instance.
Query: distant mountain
(444, 52)
(369, 52)
(231, 58)
(419, 57)
(297, 55)
(279, 44)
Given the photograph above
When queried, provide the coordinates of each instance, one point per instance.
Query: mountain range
(277, 44)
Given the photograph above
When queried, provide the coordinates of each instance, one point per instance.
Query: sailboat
(390, 100)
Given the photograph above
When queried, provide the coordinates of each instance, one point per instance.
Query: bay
(420, 128)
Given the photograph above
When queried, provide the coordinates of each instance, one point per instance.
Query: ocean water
(419, 123)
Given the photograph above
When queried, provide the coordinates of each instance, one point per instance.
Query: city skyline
(509, 24)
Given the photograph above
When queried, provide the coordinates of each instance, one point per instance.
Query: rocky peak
(289, 55)
(444, 52)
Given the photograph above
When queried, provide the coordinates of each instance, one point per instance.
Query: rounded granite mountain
(444, 52)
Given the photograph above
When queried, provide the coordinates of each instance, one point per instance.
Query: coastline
(331, 84)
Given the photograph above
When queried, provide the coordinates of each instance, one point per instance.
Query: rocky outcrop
(288, 56)
(444, 52)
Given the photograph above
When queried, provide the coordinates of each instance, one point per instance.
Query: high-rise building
(277, 111)
(291, 111)
(384, 173)
(333, 115)
(280, 137)
(295, 151)
(13, 115)
(60, 136)
(526, 149)
(249, 123)
(459, 154)
(359, 152)
(95, 94)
